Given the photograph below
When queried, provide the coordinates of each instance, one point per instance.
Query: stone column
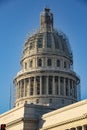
(47, 85)
(36, 62)
(29, 86)
(40, 85)
(35, 86)
(72, 89)
(64, 88)
(16, 90)
(69, 87)
(20, 88)
(59, 85)
(24, 87)
(83, 128)
(53, 86)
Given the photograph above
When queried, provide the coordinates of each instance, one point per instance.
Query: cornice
(72, 106)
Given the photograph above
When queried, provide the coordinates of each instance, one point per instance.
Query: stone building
(47, 88)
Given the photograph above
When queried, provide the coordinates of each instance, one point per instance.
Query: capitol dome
(47, 76)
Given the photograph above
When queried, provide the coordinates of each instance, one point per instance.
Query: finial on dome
(46, 20)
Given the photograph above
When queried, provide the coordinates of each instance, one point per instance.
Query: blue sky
(19, 17)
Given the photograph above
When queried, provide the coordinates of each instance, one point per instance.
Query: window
(37, 100)
(31, 63)
(39, 43)
(39, 62)
(31, 46)
(58, 63)
(49, 62)
(85, 127)
(50, 100)
(25, 65)
(64, 64)
(62, 101)
(79, 128)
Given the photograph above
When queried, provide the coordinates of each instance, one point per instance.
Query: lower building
(33, 117)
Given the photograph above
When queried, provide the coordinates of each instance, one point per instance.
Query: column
(53, 86)
(83, 128)
(16, 90)
(59, 85)
(72, 89)
(69, 87)
(24, 87)
(29, 87)
(20, 87)
(64, 88)
(47, 85)
(40, 85)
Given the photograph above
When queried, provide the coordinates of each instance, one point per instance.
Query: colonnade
(46, 85)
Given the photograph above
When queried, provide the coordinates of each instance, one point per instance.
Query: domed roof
(53, 41)
(49, 38)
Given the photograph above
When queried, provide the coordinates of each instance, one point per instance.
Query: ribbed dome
(52, 41)
(47, 39)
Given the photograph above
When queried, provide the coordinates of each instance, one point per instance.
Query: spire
(46, 20)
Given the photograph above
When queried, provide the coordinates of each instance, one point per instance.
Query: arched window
(31, 63)
(39, 62)
(49, 63)
(58, 63)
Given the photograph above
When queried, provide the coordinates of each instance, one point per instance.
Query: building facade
(47, 77)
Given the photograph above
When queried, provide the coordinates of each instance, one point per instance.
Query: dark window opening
(64, 64)
(58, 63)
(39, 62)
(49, 62)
